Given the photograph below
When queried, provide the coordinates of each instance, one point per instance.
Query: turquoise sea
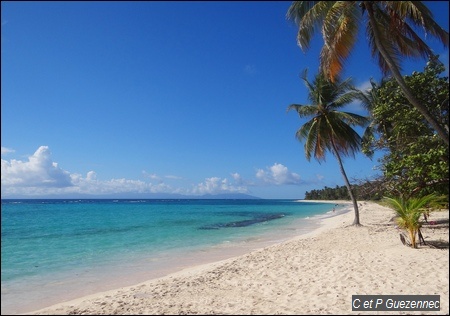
(56, 250)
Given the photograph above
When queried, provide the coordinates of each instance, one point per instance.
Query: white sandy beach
(316, 273)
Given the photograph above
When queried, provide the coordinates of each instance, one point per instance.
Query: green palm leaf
(409, 211)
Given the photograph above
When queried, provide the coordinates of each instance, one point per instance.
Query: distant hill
(228, 196)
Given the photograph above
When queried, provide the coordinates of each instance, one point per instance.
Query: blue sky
(163, 97)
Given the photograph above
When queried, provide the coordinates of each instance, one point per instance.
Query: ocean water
(57, 250)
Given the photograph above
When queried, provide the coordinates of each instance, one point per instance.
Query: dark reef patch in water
(258, 218)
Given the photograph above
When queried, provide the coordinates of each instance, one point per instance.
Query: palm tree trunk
(412, 236)
(442, 132)
(347, 184)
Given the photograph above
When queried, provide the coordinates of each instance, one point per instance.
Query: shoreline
(25, 297)
(312, 273)
(327, 201)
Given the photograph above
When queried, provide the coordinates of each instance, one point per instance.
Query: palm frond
(338, 21)
(417, 13)
(343, 136)
(400, 33)
(308, 16)
(322, 139)
(303, 110)
(345, 99)
(352, 119)
(329, 129)
(339, 31)
(308, 132)
(383, 39)
(368, 97)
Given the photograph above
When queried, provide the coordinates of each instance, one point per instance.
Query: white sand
(315, 273)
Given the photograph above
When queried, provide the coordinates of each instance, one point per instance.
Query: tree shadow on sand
(429, 227)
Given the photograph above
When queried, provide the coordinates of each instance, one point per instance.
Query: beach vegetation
(416, 160)
(327, 193)
(392, 29)
(330, 129)
(409, 212)
(372, 190)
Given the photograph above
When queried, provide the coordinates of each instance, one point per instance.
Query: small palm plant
(409, 212)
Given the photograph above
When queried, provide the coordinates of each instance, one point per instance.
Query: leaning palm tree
(390, 28)
(330, 129)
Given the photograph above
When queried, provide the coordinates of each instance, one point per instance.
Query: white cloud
(151, 175)
(215, 185)
(7, 151)
(91, 176)
(41, 176)
(154, 176)
(38, 171)
(173, 177)
(237, 178)
(90, 184)
(278, 174)
(365, 85)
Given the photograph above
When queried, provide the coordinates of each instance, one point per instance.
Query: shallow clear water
(54, 250)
